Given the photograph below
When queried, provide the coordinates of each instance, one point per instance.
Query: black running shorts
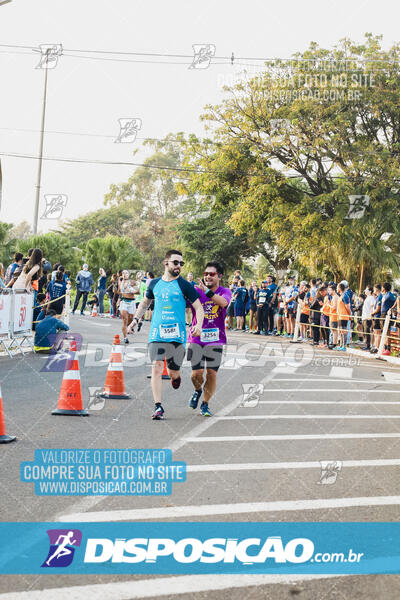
(174, 352)
(204, 356)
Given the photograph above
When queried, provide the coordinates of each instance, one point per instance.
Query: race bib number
(210, 335)
(261, 300)
(169, 331)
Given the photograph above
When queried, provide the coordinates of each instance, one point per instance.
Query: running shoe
(205, 411)
(176, 382)
(158, 413)
(126, 341)
(374, 351)
(194, 400)
(257, 333)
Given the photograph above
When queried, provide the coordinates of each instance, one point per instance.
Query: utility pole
(39, 173)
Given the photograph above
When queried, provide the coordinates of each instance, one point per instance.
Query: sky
(87, 97)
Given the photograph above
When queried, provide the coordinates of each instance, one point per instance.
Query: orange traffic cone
(114, 386)
(164, 373)
(70, 398)
(94, 311)
(4, 438)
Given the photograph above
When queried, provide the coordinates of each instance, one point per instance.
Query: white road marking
(322, 436)
(336, 402)
(157, 587)
(285, 369)
(289, 465)
(330, 390)
(297, 417)
(342, 372)
(316, 379)
(391, 377)
(177, 512)
(89, 502)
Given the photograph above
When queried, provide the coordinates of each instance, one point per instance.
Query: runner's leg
(210, 384)
(156, 381)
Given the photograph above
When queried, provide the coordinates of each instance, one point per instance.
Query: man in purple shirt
(205, 352)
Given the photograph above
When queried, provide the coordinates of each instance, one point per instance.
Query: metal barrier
(16, 314)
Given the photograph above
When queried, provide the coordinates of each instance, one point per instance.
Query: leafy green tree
(203, 235)
(55, 248)
(116, 220)
(112, 253)
(292, 145)
(7, 243)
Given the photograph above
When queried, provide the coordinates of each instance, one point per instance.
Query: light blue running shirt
(170, 297)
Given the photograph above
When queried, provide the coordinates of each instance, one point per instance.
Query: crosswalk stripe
(389, 462)
(160, 586)
(341, 372)
(330, 391)
(322, 436)
(172, 512)
(297, 417)
(313, 378)
(336, 402)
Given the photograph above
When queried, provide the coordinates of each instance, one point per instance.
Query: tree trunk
(360, 287)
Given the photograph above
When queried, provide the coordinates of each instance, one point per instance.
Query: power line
(293, 59)
(106, 136)
(161, 167)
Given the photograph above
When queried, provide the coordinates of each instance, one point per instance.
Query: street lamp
(39, 173)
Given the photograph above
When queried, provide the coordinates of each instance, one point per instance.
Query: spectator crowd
(331, 315)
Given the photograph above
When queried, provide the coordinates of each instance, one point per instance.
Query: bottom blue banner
(192, 548)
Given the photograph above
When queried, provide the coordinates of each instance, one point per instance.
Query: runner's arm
(141, 309)
(198, 307)
(220, 300)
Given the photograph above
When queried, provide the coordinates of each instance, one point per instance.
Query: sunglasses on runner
(205, 273)
(177, 262)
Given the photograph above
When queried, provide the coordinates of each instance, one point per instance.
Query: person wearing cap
(84, 282)
(348, 299)
(289, 297)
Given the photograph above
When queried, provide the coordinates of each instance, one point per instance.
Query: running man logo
(49, 55)
(251, 394)
(203, 54)
(55, 204)
(60, 354)
(279, 126)
(62, 547)
(330, 469)
(95, 402)
(128, 129)
(357, 206)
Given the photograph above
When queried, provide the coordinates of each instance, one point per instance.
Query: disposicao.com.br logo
(191, 550)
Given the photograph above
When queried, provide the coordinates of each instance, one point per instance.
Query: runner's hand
(201, 285)
(132, 326)
(195, 331)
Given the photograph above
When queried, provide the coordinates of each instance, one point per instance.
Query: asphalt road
(252, 461)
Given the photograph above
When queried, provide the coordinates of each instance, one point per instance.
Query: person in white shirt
(366, 317)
